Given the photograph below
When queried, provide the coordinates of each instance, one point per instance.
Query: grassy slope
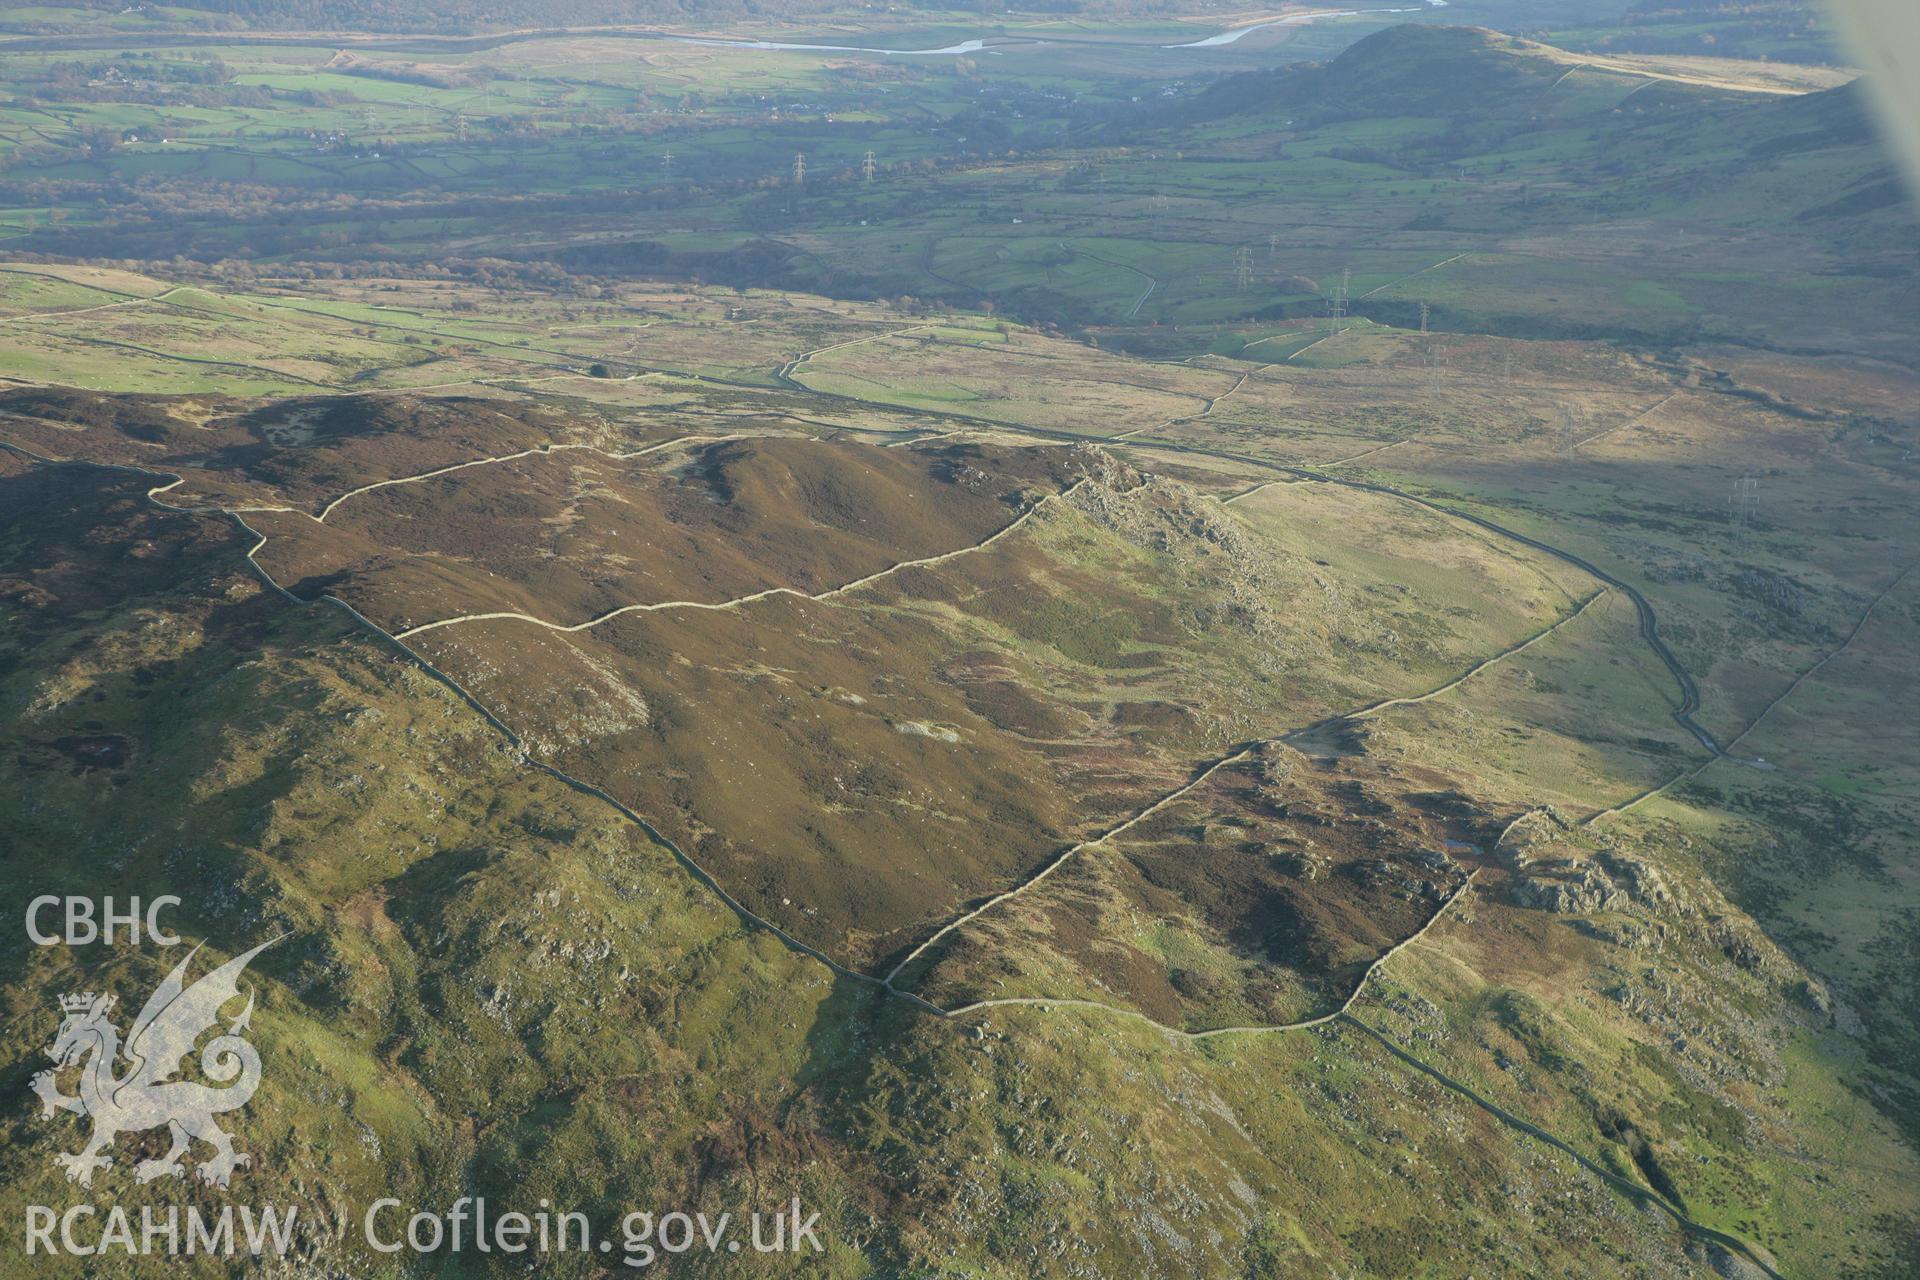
(494, 985)
(1563, 1101)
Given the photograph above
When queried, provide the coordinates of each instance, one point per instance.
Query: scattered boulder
(1302, 864)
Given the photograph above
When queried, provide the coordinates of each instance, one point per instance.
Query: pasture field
(1127, 192)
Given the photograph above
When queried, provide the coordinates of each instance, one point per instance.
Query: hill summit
(1414, 69)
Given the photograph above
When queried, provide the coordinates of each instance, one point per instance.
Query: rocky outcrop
(1609, 881)
(1530, 831)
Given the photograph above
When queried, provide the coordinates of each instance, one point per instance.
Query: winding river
(978, 45)
(1295, 20)
(466, 44)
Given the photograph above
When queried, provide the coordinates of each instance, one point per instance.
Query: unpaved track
(786, 371)
(1262, 487)
(1635, 420)
(1316, 342)
(1152, 282)
(1413, 275)
(1367, 453)
(25, 316)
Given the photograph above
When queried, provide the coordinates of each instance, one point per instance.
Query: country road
(1687, 775)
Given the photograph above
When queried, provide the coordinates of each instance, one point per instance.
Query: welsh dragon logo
(146, 1096)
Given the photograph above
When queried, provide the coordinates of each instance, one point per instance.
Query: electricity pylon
(1337, 303)
(1741, 505)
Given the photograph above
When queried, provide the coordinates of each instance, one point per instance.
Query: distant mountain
(1471, 74)
(1409, 70)
(1488, 135)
